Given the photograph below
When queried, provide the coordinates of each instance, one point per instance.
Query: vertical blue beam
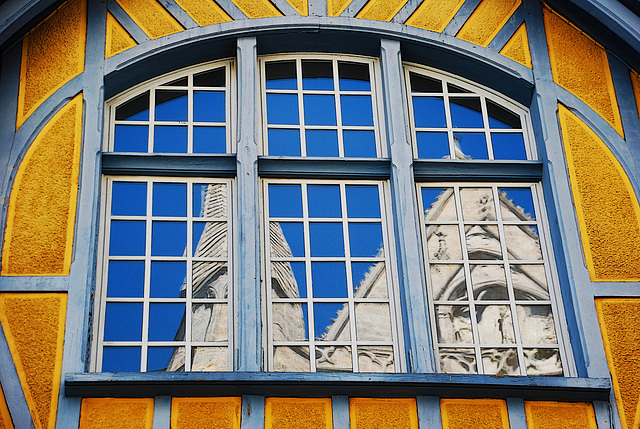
(247, 255)
(252, 412)
(13, 393)
(517, 415)
(340, 411)
(409, 251)
(162, 412)
(179, 14)
(429, 415)
(318, 8)
(605, 415)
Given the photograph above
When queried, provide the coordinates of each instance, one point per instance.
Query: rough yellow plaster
(204, 12)
(5, 417)
(42, 206)
(434, 15)
(117, 39)
(151, 17)
(635, 82)
(565, 415)
(257, 8)
(487, 20)
(197, 413)
(581, 66)
(474, 413)
(301, 6)
(336, 7)
(606, 205)
(366, 413)
(52, 55)
(116, 413)
(517, 48)
(294, 413)
(34, 326)
(620, 327)
(381, 10)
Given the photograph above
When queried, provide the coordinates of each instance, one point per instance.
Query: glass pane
(170, 139)
(177, 360)
(319, 109)
(432, 145)
(500, 361)
(210, 322)
(288, 280)
(324, 201)
(354, 77)
(356, 110)
(369, 280)
(208, 106)
(366, 239)
(169, 199)
(439, 204)
(128, 198)
(477, 204)
(466, 112)
(322, 143)
(331, 321)
(543, 362)
(183, 81)
(136, 109)
(285, 201)
(360, 144)
(166, 322)
(458, 361)
(131, 138)
(171, 105)
(317, 75)
(283, 142)
(454, 89)
(443, 242)
(209, 140)
(508, 146)
(375, 359)
(287, 239)
(210, 280)
(127, 238)
(168, 238)
(121, 359)
(291, 359)
(523, 242)
(210, 239)
(454, 324)
(168, 279)
(282, 109)
(489, 282)
(448, 282)
(536, 324)
(470, 146)
(210, 359)
(529, 282)
(428, 112)
(424, 84)
(126, 279)
(483, 242)
(495, 325)
(326, 239)
(158, 358)
(210, 200)
(373, 322)
(363, 201)
(123, 321)
(329, 279)
(290, 321)
(334, 359)
(281, 75)
(516, 204)
(499, 117)
(213, 78)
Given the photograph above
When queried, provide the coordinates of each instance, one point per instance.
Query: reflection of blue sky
(429, 196)
(168, 238)
(131, 138)
(123, 321)
(199, 195)
(282, 109)
(329, 279)
(165, 320)
(126, 279)
(432, 145)
(169, 199)
(359, 144)
(324, 315)
(167, 278)
(285, 200)
(319, 109)
(294, 235)
(365, 239)
(363, 201)
(428, 112)
(129, 199)
(171, 106)
(208, 106)
(158, 358)
(521, 198)
(322, 143)
(209, 140)
(358, 272)
(508, 146)
(300, 274)
(324, 201)
(356, 110)
(127, 238)
(136, 109)
(121, 359)
(170, 139)
(284, 142)
(473, 145)
(466, 113)
(326, 239)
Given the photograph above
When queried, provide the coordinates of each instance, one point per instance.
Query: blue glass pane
(208, 106)
(123, 321)
(325, 315)
(170, 139)
(363, 201)
(199, 196)
(359, 271)
(165, 322)
(428, 112)
(127, 238)
(136, 109)
(319, 110)
(281, 75)
(294, 235)
(212, 78)
(326, 239)
(282, 109)
(499, 117)
(168, 238)
(285, 201)
(429, 197)
(470, 145)
(169, 199)
(300, 274)
(432, 145)
(322, 143)
(359, 144)
(158, 358)
(131, 138)
(354, 77)
(128, 199)
(317, 75)
(466, 112)
(508, 146)
(171, 105)
(167, 279)
(284, 142)
(126, 279)
(329, 279)
(324, 200)
(121, 359)
(521, 197)
(365, 239)
(356, 110)
(209, 140)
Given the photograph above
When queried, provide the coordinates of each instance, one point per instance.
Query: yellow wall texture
(565, 415)
(294, 413)
(434, 15)
(257, 8)
(204, 12)
(620, 327)
(474, 413)
(606, 205)
(487, 20)
(581, 66)
(117, 39)
(197, 413)
(34, 326)
(116, 413)
(301, 6)
(52, 55)
(151, 17)
(517, 48)
(42, 206)
(635, 81)
(336, 7)
(381, 10)
(5, 417)
(368, 413)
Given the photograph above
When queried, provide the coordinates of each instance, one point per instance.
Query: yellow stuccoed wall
(257, 8)
(366, 413)
(196, 413)
(517, 48)
(565, 415)
(434, 15)
(204, 12)
(294, 413)
(5, 417)
(117, 38)
(487, 20)
(381, 10)
(151, 17)
(116, 413)
(474, 413)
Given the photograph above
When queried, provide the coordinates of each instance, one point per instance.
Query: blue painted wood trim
(179, 14)
(34, 284)
(517, 416)
(252, 416)
(354, 7)
(319, 385)
(247, 254)
(340, 411)
(604, 413)
(507, 30)
(413, 302)
(616, 289)
(280, 167)
(169, 165)
(318, 8)
(463, 14)
(480, 170)
(429, 415)
(406, 11)
(284, 7)
(162, 412)
(231, 9)
(127, 23)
